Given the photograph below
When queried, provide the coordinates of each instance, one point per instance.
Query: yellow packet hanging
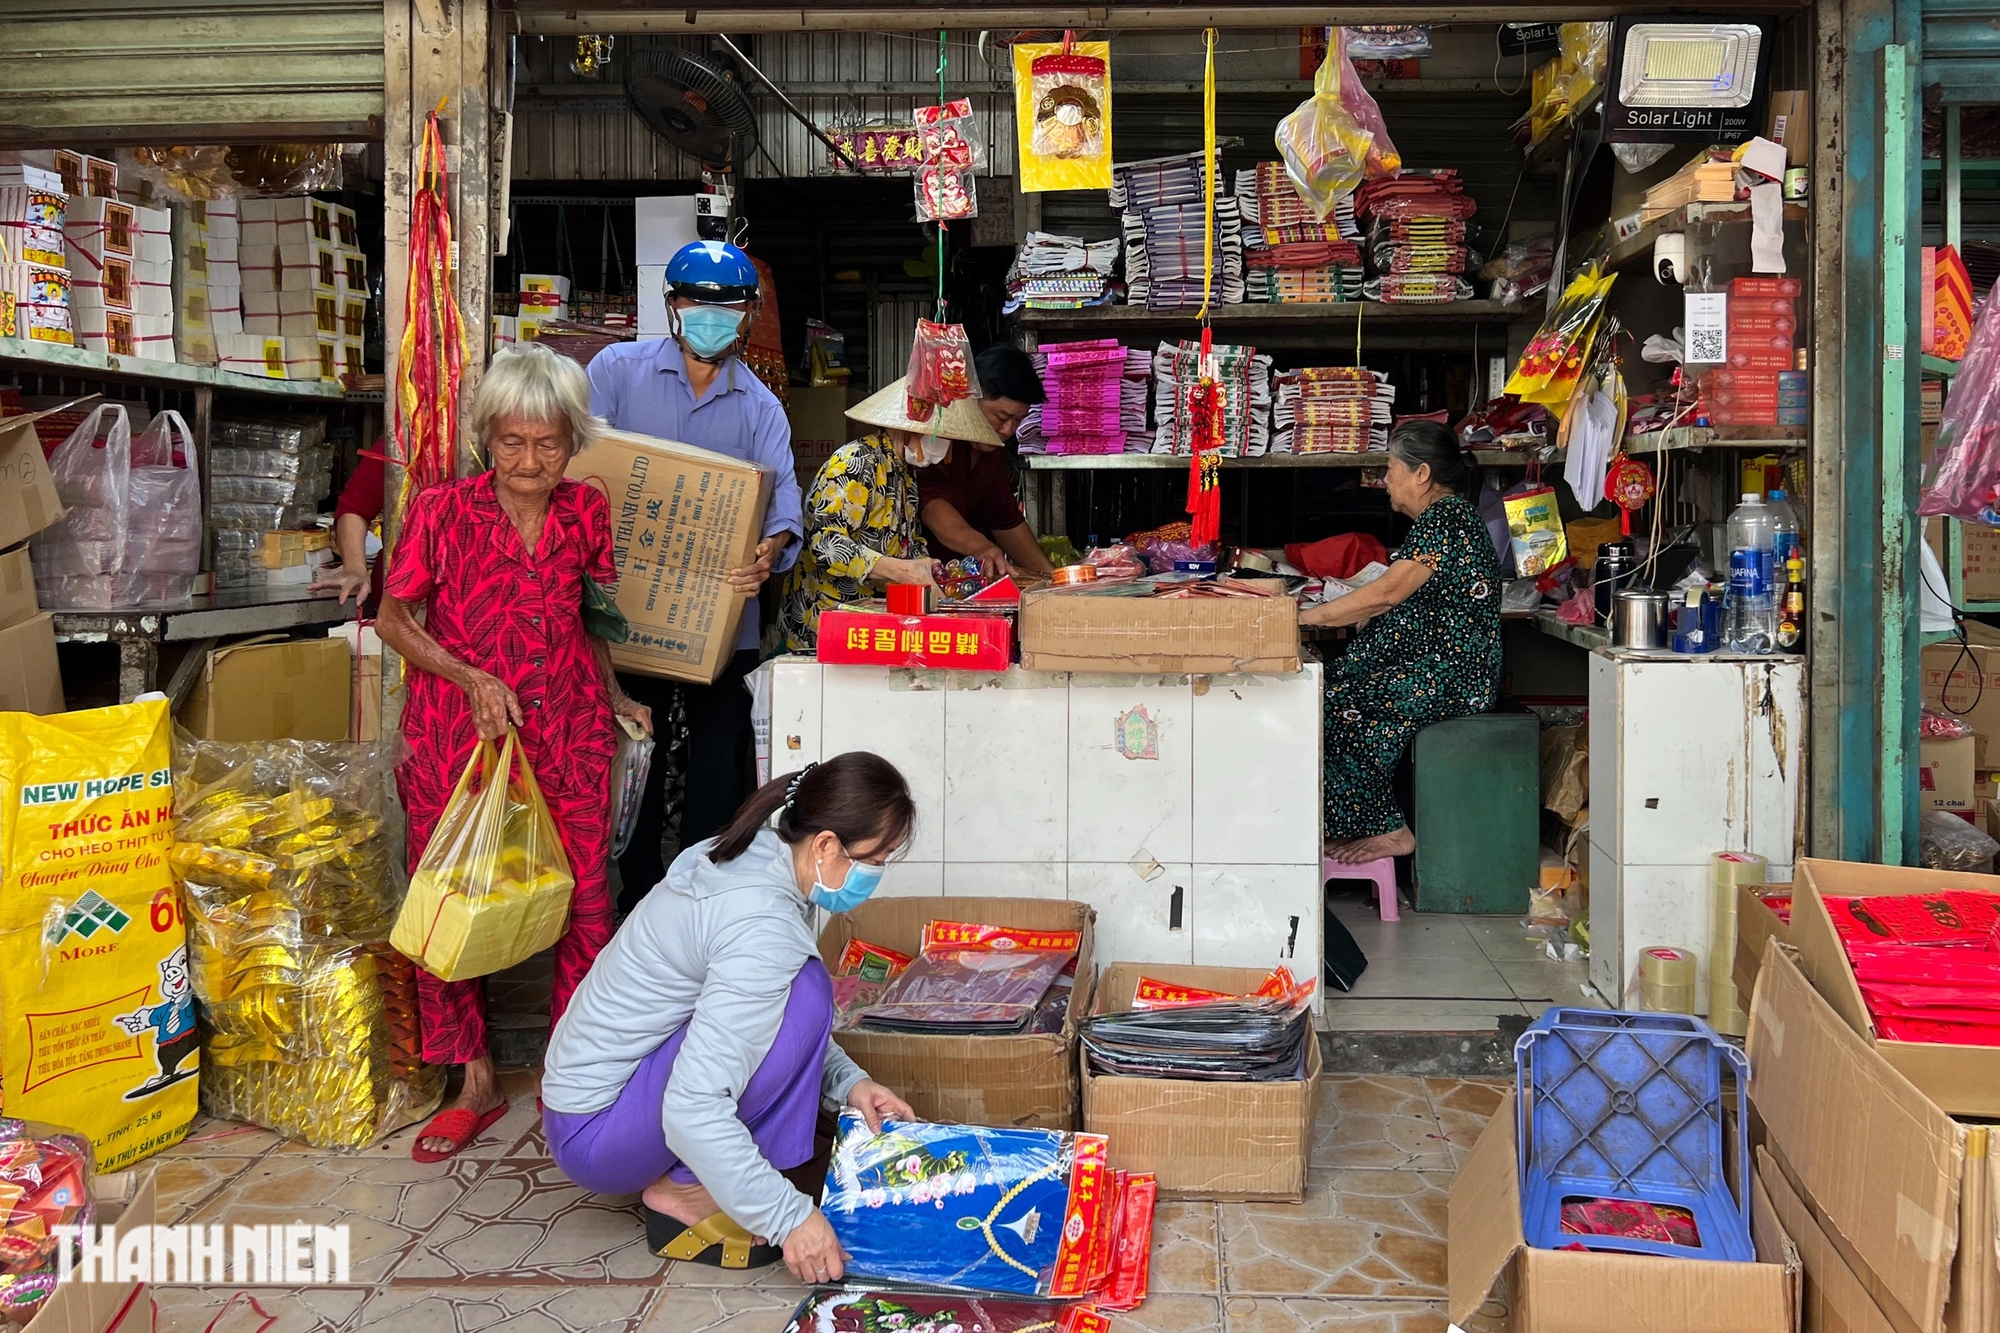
(94, 980)
(494, 884)
(1062, 106)
(1536, 528)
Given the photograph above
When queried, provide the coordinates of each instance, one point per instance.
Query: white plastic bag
(131, 530)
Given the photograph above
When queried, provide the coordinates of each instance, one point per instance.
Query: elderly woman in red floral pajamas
(498, 562)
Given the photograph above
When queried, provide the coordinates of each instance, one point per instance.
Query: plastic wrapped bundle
(291, 887)
(45, 1183)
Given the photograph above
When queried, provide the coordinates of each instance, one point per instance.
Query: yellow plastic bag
(94, 980)
(1062, 105)
(494, 883)
(1337, 138)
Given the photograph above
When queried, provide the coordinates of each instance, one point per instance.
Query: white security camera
(1670, 258)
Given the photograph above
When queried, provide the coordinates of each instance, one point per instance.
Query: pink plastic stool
(1382, 872)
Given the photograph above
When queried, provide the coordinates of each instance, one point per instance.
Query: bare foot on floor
(684, 1203)
(1400, 843)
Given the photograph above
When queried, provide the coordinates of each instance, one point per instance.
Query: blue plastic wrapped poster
(1020, 1212)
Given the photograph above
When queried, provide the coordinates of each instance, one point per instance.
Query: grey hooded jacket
(714, 948)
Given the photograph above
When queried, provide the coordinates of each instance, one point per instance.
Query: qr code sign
(1707, 328)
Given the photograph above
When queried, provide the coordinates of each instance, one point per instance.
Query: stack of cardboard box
(30, 678)
(1763, 320)
(208, 284)
(544, 296)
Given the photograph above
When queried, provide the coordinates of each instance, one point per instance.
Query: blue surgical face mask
(710, 330)
(853, 891)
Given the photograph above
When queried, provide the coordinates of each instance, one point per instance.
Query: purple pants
(622, 1149)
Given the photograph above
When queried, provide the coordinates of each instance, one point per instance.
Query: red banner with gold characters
(876, 638)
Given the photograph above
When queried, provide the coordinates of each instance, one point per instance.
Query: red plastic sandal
(458, 1125)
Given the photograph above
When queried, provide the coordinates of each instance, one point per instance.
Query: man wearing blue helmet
(692, 387)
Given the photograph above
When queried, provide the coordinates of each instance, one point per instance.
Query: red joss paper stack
(1928, 964)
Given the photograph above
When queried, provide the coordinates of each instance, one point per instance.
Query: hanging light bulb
(593, 53)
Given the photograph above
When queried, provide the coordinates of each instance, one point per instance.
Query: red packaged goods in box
(1785, 287)
(1760, 359)
(1927, 964)
(971, 977)
(1753, 307)
(1750, 322)
(876, 638)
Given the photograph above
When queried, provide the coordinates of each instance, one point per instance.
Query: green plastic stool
(1478, 823)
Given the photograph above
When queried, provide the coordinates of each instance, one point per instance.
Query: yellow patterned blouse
(862, 506)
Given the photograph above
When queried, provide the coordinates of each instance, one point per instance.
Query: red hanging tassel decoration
(434, 345)
(1204, 499)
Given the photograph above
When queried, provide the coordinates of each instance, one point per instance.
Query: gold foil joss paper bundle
(289, 876)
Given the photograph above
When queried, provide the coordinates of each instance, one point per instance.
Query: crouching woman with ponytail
(692, 1061)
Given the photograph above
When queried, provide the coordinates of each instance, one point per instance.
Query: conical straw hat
(961, 420)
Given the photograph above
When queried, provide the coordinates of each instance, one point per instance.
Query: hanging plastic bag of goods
(1337, 137)
(288, 871)
(494, 884)
(93, 955)
(1964, 480)
(1062, 105)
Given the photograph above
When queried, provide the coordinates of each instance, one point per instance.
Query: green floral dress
(862, 506)
(1434, 656)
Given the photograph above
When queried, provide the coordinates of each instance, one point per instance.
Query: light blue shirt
(643, 387)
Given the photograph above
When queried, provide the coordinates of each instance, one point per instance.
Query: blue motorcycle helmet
(711, 273)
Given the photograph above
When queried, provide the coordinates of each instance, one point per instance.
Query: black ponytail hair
(859, 797)
(1427, 443)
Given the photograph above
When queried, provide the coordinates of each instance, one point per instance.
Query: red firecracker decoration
(1204, 501)
(433, 349)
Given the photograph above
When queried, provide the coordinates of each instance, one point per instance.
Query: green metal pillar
(1899, 646)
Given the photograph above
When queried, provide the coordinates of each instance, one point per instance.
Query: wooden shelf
(1937, 368)
(53, 358)
(1255, 314)
(1154, 462)
(1640, 244)
(1717, 437)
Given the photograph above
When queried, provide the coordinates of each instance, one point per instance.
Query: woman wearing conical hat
(862, 524)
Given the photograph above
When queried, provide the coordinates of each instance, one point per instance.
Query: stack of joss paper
(1289, 256)
(1242, 376)
(972, 979)
(1928, 964)
(1184, 1032)
(1027, 1213)
(1330, 410)
(1416, 233)
(309, 1017)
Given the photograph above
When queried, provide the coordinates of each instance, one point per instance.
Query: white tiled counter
(1185, 809)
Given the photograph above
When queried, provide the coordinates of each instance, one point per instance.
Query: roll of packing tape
(1075, 574)
(1728, 871)
(1666, 980)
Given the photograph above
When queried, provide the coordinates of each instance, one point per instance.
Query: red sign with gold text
(876, 638)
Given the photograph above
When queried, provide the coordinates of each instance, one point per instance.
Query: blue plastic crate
(1617, 1105)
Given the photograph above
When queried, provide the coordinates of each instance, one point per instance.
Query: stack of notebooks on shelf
(1289, 255)
(1244, 378)
(1164, 218)
(1060, 272)
(1416, 237)
(1330, 410)
(969, 979)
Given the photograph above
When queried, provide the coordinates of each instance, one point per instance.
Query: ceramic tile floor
(1431, 972)
(497, 1239)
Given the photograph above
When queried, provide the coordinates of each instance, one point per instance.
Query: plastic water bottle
(1784, 532)
(1750, 613)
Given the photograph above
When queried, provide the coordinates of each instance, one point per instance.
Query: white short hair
(535, 384)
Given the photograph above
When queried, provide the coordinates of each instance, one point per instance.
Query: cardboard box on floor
(1070, 631)
(1903, 1192)
(1236, 1142)
(1028, 1080)
(1756, 921)
(1834, 1297)
(1574, 1291)
(681, 518)
(126, 1200)
(264, 690)
(1965, 681)
(1963, 1080)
